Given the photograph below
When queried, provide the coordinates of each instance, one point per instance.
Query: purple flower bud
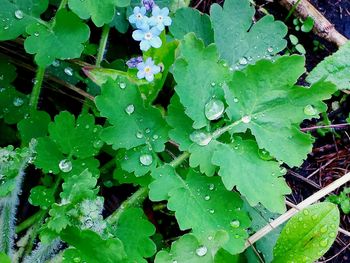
(133, 62)
(148, 4)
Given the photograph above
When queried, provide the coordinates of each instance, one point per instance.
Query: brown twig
(323, 27)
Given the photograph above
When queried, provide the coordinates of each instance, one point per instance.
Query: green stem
(179, 160)
(6, 228)
(135, 199)
(29, 221)
(34, 98)
(62, 5)
(103, 44)
(291, 11)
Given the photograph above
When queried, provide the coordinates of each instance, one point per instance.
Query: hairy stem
(34, 98)
(103, 44)
(44, 252)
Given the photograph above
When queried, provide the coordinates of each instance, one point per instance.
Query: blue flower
(133, 62)
(148, 4)
(147, 70)
(139, 17)
(160, 18)
(148, 37)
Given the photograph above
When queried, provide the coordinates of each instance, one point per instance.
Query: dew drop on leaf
(211, 187)
(243, 61)
(235, 100)
(324, 243)
(65, 166)
(306, 212)
(146, 159)
(139, 135)
(56, 63)
(17, 102)
(324, 229)
(214, 109)
(122, 85)
(200, 137)
(246, 119)
(130, 109)
(201, 251)
(270, 49)
(235, 223)
(207, 197)
(68, 71)
(19, 14)
(310, 110)
(211, 211)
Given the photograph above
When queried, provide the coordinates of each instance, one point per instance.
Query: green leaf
(7, 71)
(188, 20)
(63, 38)
(196, 85)
(181, 124)
(14, 105)
(258, 180)
(308, 25)
(308, 235)
(120, 21)
(177, 4)
(101, 12)
(134, 230)
(35, 126)
(96, 250)
(239, 40)
(183, 250)
(263, 99)
(335, 68)
(42, 196)
(204, 205)
(16, 15)
(146, 127)
(202, 157)
(4, 258)
(70, 140)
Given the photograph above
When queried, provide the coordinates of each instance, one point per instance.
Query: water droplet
(36, 34)
(65, 166)
(210, 238)
(235, 100)
(207, 197)
(139, 135)
(130, 109)
(201, 138)
(243, 61)
(201, 251)
(19, 14)
(310, 110)
(155, 137)
(17, 102)
(56, 63)
(211, 211)
(77, 260)
(122, 85)
(147, 130)
(246, 119)
(98, 144)
(211, 187)
(283, 170)
(214, 109)
(146, 159)
(6, 27)
(305, 212)
(324, 229)
(68, 71)
(235, 223)
(270, 49)
(213, 84)
(324, 243)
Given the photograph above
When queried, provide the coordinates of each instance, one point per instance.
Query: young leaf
(134, 230)
(101, 12)
(263, 99)
(335, 68)
(308, 235)
(42, 196)
(63, 38)
(188, 20)
(92, 248)
(34, 126)
(196, 85)
(239, 41)
(185, 250)
(204, 205)
(258, 180)
(120, 21)
(16, 15)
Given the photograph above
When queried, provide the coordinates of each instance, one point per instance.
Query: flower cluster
(148, 28)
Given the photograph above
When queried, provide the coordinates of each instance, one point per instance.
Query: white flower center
(160, 18)
(139, 16)
(148, 36)
(148, 70)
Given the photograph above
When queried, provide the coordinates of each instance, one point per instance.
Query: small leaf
(308, 235)
(120, 21)
(35, 126)
(62, 39)
(188, 20)
(42, 196)
(308, 25)
(334, 68)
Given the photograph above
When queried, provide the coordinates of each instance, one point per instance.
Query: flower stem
(103, 44)
(62, 4)
(34, 98)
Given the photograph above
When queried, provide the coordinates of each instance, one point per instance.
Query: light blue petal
(141, 66)
(152, 21)
(160, 27)
(149, 62)
(156, 11)
(155, 31)
(136, 10)
(155, 69)
(145, 45)
(138, 35)
(140, 74)
(165, 11)
(167, 21)
(150, 77)
(156, 42)
(143, 10)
